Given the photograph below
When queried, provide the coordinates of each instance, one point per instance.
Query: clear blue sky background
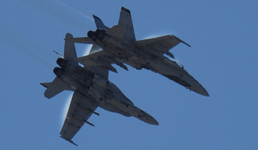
(223, 58)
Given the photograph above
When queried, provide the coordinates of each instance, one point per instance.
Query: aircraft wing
(81, 108)
(101, 58)
(161, 44)
(98, 62)
(94, 59)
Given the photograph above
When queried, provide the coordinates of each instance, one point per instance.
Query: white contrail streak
(59, 12)
(74, 10)
(16, 40)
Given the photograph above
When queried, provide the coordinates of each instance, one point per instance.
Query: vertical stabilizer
(125, 21)
(99, 23)
(69, 50)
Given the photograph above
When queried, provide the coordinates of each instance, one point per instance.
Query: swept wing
(101, 58)
(81, 108)
(160, 44)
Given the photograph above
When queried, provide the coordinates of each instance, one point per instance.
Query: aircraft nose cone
(198, 88)
(204, 92)
(153, 121)
(201, 90)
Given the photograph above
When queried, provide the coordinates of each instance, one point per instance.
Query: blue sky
(223, 58)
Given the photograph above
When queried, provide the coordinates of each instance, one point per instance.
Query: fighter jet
(92, 89)
(119, 46)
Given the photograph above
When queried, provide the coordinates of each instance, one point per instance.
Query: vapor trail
(75, 10)
(59, 12)
(22, 44)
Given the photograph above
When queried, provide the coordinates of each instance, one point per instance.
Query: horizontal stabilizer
(46, 84)
(85, 40)
(55, 87)
(116, 31)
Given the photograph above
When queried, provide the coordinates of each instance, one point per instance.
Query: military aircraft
(91, 89)
(119, 46)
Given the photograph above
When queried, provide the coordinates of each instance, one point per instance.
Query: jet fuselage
(138, 57)
(104, 92)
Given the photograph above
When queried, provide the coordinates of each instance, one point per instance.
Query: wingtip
(182, 41)
(69, 140)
